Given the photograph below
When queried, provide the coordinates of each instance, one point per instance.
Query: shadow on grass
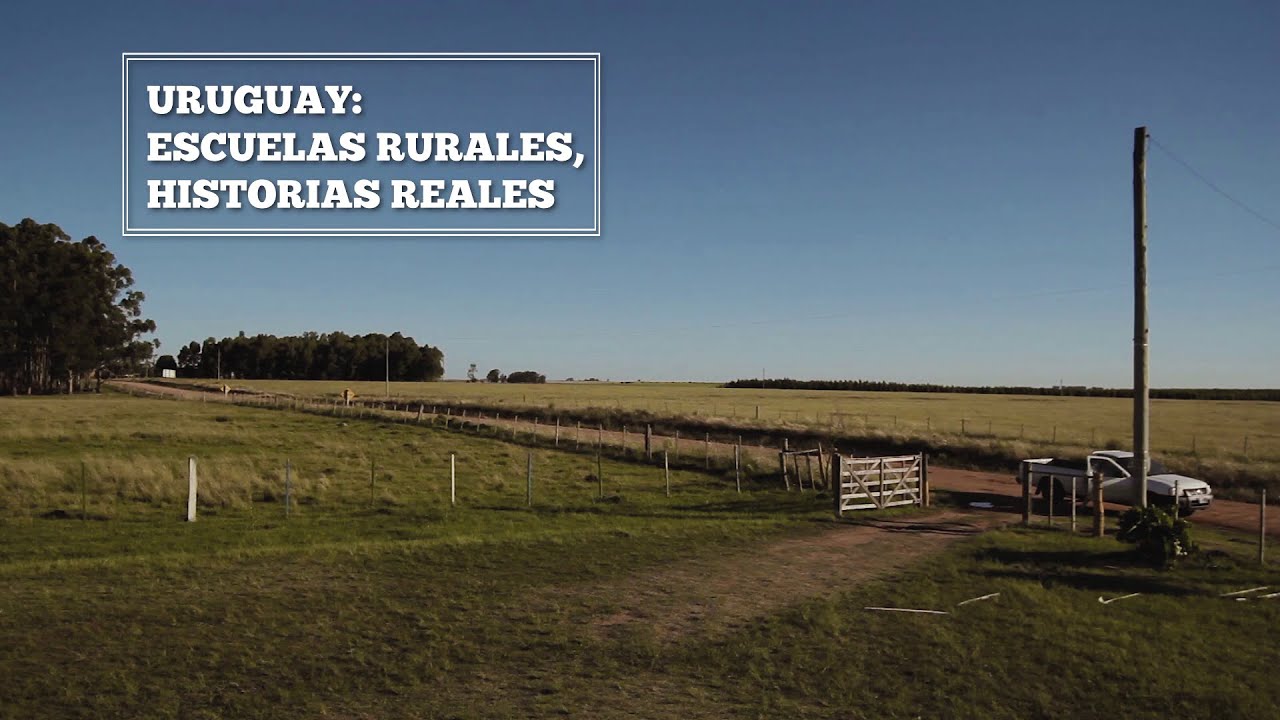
(801, 503)
(617, 505)
(914, 526)
(1080, 558)
(1101, 582)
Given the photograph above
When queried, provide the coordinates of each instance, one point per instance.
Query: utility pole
(1141, 404)
(387, 356)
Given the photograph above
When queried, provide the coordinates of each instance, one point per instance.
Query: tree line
(1074, 391)
(70, 316)
(309, 356)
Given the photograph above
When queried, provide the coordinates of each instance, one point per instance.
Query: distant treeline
(1076, 391)
(310, 356)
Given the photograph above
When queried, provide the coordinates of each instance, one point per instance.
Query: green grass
(1201, 438)
(1219, 428)
(412, 608)
(1044, 648)
(134, 454)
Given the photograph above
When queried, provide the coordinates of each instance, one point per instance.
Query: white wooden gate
(875, 483)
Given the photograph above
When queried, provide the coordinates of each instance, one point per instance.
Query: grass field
(404, 606)
(1234, 445)
(1215, 429)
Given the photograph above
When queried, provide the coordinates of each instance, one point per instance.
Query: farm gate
(875, 483)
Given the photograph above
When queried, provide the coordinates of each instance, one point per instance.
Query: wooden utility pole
(387, 357)
(1141, 404)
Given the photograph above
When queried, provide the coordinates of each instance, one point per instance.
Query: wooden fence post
(1099, 506)
(881, 464)
(782, 464)
(837, 479)
(925, 490)
(822, 467)
(191, 486)
(557, 431)
(648, 442)
(666, 472)
(1053, 483)
(1024, 471)
(737, 465)
(599, 474)
(1073, 504)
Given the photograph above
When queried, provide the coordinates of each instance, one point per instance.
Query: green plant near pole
(1160, 536)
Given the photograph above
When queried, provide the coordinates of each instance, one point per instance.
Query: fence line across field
(860, 483)
(1249, 446)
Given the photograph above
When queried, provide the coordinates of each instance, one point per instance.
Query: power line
(1214, 186)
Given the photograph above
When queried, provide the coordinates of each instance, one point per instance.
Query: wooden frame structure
(795, 471)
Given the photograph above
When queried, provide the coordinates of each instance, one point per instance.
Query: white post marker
(191, 488)
(1122, 597)
(988, 596)
(906, 610)
(453, 485)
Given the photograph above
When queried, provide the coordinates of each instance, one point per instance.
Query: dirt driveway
(708, 595)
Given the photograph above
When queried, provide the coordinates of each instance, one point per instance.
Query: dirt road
(999, 489)
(707, 595)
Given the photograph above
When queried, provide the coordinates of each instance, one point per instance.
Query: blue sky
(897, 190)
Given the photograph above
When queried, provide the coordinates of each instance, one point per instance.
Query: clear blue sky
(896, 190)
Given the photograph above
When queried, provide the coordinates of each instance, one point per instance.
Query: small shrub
(1159, 535)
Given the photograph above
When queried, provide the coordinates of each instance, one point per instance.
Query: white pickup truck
(1117, 480)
